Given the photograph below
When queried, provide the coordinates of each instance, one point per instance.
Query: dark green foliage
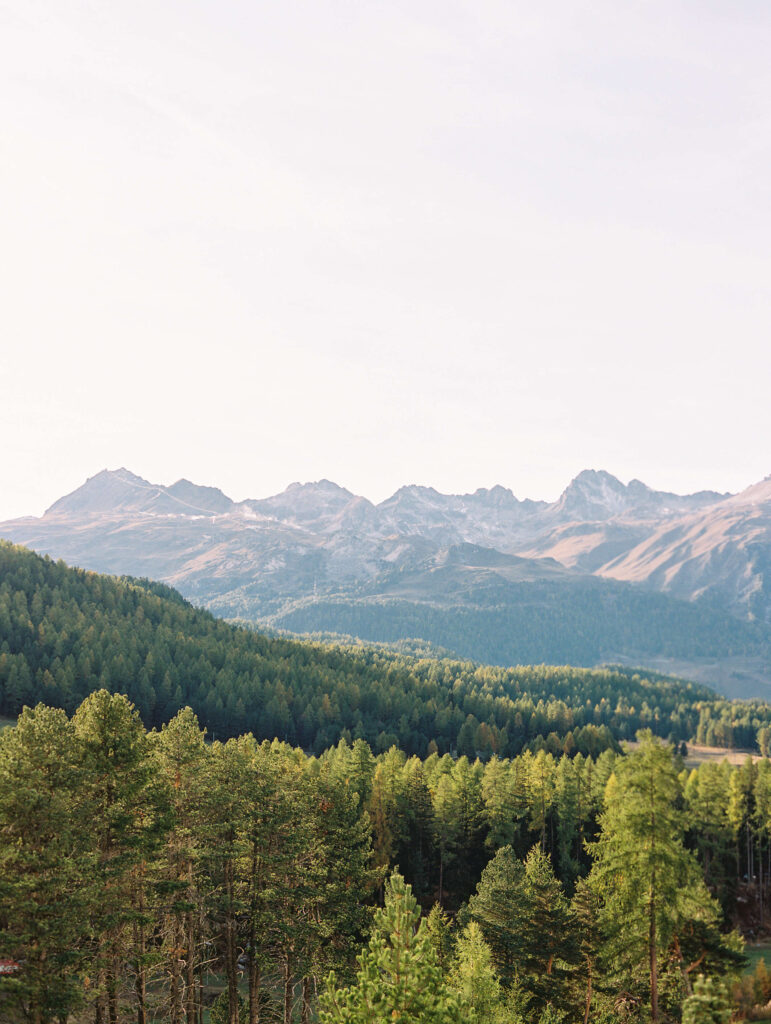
(46, 864)
(498, 907)
(65, 633)
(536, 622)
(219, 1013)
(133, 862)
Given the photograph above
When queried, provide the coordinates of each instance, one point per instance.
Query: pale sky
(453, 243)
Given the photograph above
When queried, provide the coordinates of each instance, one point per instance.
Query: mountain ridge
(318, 541)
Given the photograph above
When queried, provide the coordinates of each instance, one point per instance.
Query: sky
(451, 243)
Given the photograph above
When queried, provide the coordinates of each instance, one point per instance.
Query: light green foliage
(439, 931)
(541, 792)
(474, 980)
(764, 740)
(652, 894)
(399, 980)
(709, 1004)
(503, 805)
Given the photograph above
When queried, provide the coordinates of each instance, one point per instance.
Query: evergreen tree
(650, 885)
(709, 1004)
(121, 794)
(399, 980)
(46, 886)
(439, 931)
(474, 980)
(585, 909)
(499, 907)
(180, 755)
(549, 945)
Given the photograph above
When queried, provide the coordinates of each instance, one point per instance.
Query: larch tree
(649, 884)
(474, 980)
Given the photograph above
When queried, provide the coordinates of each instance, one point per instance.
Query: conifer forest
(201, 824)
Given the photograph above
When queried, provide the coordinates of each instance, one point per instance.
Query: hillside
(607, 572)
(65, 633)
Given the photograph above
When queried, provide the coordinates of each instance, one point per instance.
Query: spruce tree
(547, 930)
(499, 907)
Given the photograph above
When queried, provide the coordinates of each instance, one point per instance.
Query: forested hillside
(65, 633)
(141, 874)
(609, 572)
(509, 623)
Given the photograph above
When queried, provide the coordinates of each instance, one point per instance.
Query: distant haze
(460, 244)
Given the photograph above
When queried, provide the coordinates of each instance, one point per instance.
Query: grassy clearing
(755, 952)
(699, 754)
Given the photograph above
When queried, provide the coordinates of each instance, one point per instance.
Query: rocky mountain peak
(107, 491)
(592, 495)
(496, 496)
(198, 498)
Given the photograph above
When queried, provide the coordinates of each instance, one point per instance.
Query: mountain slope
(723, 552)
(65, 633)
(317, 543)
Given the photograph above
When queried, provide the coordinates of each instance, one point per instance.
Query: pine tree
(709, 1004)
(46, 886)
(120, 790)
(180, 754)
(439, 930)
(399, 980)
(585, 909)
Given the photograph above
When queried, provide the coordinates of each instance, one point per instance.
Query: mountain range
(608, 571)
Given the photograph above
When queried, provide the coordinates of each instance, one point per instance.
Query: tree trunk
(652, 948)
(588, 996)
(305, 1015)
(141, 992)
(288, 987)
(140, 947)
(140, 985)
(112, 992)
(231, 964)
(760, 877)
(190, 979)
(254, 968)
(254, 988)
(175, 995)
